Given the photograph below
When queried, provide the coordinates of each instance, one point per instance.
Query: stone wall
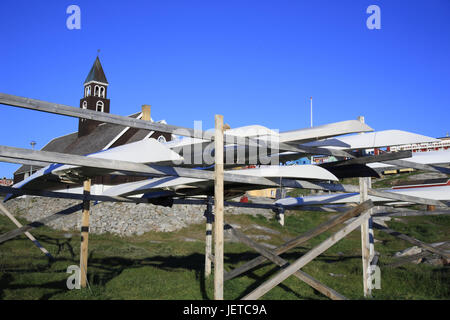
(125, 219)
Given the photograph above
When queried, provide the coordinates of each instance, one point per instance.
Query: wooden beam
(314, 283)
(84, 235)
(68, 195)
(302, 238)
(56, 108)
(37, 164)
(411, 240)
(39, 223)
(69, 111)
(308, 257)
(218, 209)
(401, 213)
(29, 235)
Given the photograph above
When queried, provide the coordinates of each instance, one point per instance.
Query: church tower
(95, 89)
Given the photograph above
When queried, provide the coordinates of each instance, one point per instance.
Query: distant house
(93, 136)
(6, 182)
(442, 144)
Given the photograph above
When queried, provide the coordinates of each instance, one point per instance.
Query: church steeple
(95, 87)
(96, 74)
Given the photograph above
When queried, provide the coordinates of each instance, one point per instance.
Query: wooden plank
(39, 223)
(60, 109)
(29, 235)
(218, 209)
(84, 235)
(418, 213)
(25, 162)
(55, 108)
(314, 283)
(302, 238)
(411, 240)
(308, 257)
(68, 195)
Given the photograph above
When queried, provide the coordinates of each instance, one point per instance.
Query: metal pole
(33, 143)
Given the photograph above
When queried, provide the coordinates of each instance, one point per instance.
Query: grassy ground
(170, 265)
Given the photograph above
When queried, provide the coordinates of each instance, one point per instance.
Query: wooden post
(84, 234)
(366, 252)
(365, 242)
(208, 243)
(218, 208)
(146, 109)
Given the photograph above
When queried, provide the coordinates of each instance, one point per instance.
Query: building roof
(96, 73)
(100, 138)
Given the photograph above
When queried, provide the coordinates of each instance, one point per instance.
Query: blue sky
(255, 62)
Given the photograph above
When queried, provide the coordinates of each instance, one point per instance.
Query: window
(84, 104)
(102, 92)
(97, 91)
(87, 91)
(161, 139)
(100, 106)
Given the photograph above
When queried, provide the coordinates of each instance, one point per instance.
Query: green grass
(163, 266)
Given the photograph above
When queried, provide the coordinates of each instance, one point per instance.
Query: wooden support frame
(308, 257)
(218, 209)
(303, 276)
(39, 223)
(302, 238)
(85, 235)
(29, 235)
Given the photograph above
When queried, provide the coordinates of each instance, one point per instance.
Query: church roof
(96, 73)
(95, 141)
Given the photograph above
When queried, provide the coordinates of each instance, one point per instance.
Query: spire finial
(98, 52)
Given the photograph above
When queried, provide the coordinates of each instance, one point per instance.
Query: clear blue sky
(255, 62)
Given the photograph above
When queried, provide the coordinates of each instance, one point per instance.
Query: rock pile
(125, 219)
